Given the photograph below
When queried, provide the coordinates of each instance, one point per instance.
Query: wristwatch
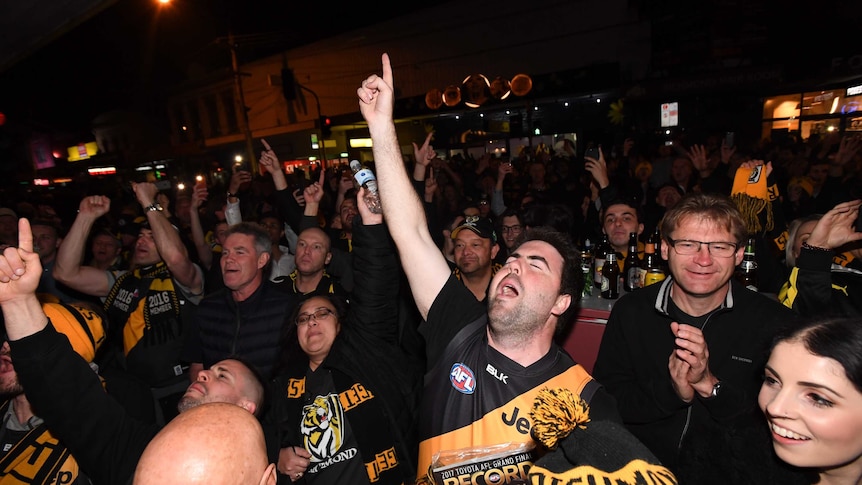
(155, 206)
(231, 194)
(716, 389)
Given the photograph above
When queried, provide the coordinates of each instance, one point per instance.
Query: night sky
(131, 54)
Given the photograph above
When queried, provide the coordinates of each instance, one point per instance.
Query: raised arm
(424, 265)
(269, 161)
(68, 268)
(168, 242)
(205, 254)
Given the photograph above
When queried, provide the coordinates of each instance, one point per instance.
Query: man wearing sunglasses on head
(684, 357)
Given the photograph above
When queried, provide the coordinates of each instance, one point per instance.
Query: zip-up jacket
(250, 329)
(632, 364)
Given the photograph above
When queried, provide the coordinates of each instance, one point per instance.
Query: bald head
(213, 444)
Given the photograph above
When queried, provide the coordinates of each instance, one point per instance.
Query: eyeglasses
(316, 316)
(516, 228)
(685, 247)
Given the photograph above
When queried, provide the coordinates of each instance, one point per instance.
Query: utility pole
(319, 128)
(239, 103)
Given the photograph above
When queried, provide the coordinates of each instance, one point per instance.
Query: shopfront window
(822, 102)
(802, 115)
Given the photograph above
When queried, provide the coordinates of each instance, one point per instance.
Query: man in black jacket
(245, 318)
(98, 431)
(686, 356)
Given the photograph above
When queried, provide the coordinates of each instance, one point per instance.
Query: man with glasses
(511, 227)
(684, 356)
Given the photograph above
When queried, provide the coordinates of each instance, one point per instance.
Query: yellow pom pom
(556, 413)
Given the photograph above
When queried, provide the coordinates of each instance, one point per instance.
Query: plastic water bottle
(364, 177)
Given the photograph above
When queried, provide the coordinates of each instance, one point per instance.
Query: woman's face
(318, 330)
(814, 411)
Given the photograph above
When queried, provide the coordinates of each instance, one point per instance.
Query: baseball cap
(482, 226)
(5, 211)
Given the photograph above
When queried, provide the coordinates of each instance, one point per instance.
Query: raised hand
(94, 206)
(145, 192)
(20, 269)
(598, 169)
(430, 186)
(377, 96)
(836, 228)
(314, 192)
(368, 218)
(425, 153)
(237, 180)
(268, 159)
(199, 195)
(698, 158)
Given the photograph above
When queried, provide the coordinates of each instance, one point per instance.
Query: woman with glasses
(345, 396)
(685, 356)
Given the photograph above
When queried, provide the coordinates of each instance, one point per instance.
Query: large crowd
(419, 344)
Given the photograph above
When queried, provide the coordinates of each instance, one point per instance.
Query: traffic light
(325, 125)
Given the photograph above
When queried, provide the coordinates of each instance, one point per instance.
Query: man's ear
(263, 259)
(328, 258)
(561, 305)
(248, 405)
(269, 476)
(494, 250)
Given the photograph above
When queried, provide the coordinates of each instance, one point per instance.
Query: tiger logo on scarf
(322, 427)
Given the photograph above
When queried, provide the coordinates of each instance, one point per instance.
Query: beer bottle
(632, 265)
(587, 269)
(652, 265)
(611, 277)
(599, 259)
(746, 273)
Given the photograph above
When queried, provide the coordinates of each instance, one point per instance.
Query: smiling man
(619, 219)
(485, 364)
(475, 247)
(684, 355)
(246, 316)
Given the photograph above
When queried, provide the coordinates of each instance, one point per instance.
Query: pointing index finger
(25, 235)
(265, 144)
(387, 70)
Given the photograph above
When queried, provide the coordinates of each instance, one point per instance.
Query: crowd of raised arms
(278, 328)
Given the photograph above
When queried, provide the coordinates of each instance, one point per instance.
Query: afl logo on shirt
(462, 378)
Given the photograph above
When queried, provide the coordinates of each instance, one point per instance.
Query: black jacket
(104, 439)
(632, 364)
(818, 286)
(249, 329)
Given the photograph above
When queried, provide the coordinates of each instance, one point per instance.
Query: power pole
(239, 103)
(320, 143)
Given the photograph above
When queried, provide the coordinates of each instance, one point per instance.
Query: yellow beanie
(82, 326)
